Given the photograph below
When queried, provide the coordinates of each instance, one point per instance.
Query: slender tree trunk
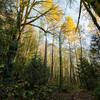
(70, 55)
(81, 55)
(98, 44)
(60, 62)
(52, 64)
(81, 47)
(76, 57)
(76, 54)
(45, 55)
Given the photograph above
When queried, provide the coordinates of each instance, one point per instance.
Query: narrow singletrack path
(79, 95)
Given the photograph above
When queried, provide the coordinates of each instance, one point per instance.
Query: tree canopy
(47, 52)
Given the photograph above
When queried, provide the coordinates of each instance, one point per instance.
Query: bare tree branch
(92, 16)
(46, 31)
(79, 14)
(37, 17)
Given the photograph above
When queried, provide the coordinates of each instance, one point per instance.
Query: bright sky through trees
(73, 11)
(49, 50)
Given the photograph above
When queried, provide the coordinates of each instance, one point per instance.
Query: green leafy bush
(35, 72)
(97, 91)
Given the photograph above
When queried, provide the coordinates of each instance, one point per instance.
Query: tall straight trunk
(98, 44)
(81, 54)
(70, 55)
(60, 62)
(81, 47)
(76, 54)
(76, 57)
(45, 55)
(52, 64)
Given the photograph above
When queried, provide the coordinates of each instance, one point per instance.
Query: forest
(49, 49)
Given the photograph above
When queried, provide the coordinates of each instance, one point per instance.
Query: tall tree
(53, 18)
(60, 62)
(8, 31)
(52, 64)
(68, 29)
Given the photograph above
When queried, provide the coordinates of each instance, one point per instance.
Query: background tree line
(40, 53)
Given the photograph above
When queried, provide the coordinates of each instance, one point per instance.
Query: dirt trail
(82, 95)
(79, 95)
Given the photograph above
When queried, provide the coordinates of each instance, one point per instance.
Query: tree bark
(52, 64)
(60, 62)
(70, 55)
(45, 55)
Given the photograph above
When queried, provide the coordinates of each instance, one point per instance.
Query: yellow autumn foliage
(68, 28)
(55, 14)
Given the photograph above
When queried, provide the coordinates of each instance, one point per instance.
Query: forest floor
(78, 95)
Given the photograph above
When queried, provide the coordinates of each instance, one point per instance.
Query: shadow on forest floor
(78, 95)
